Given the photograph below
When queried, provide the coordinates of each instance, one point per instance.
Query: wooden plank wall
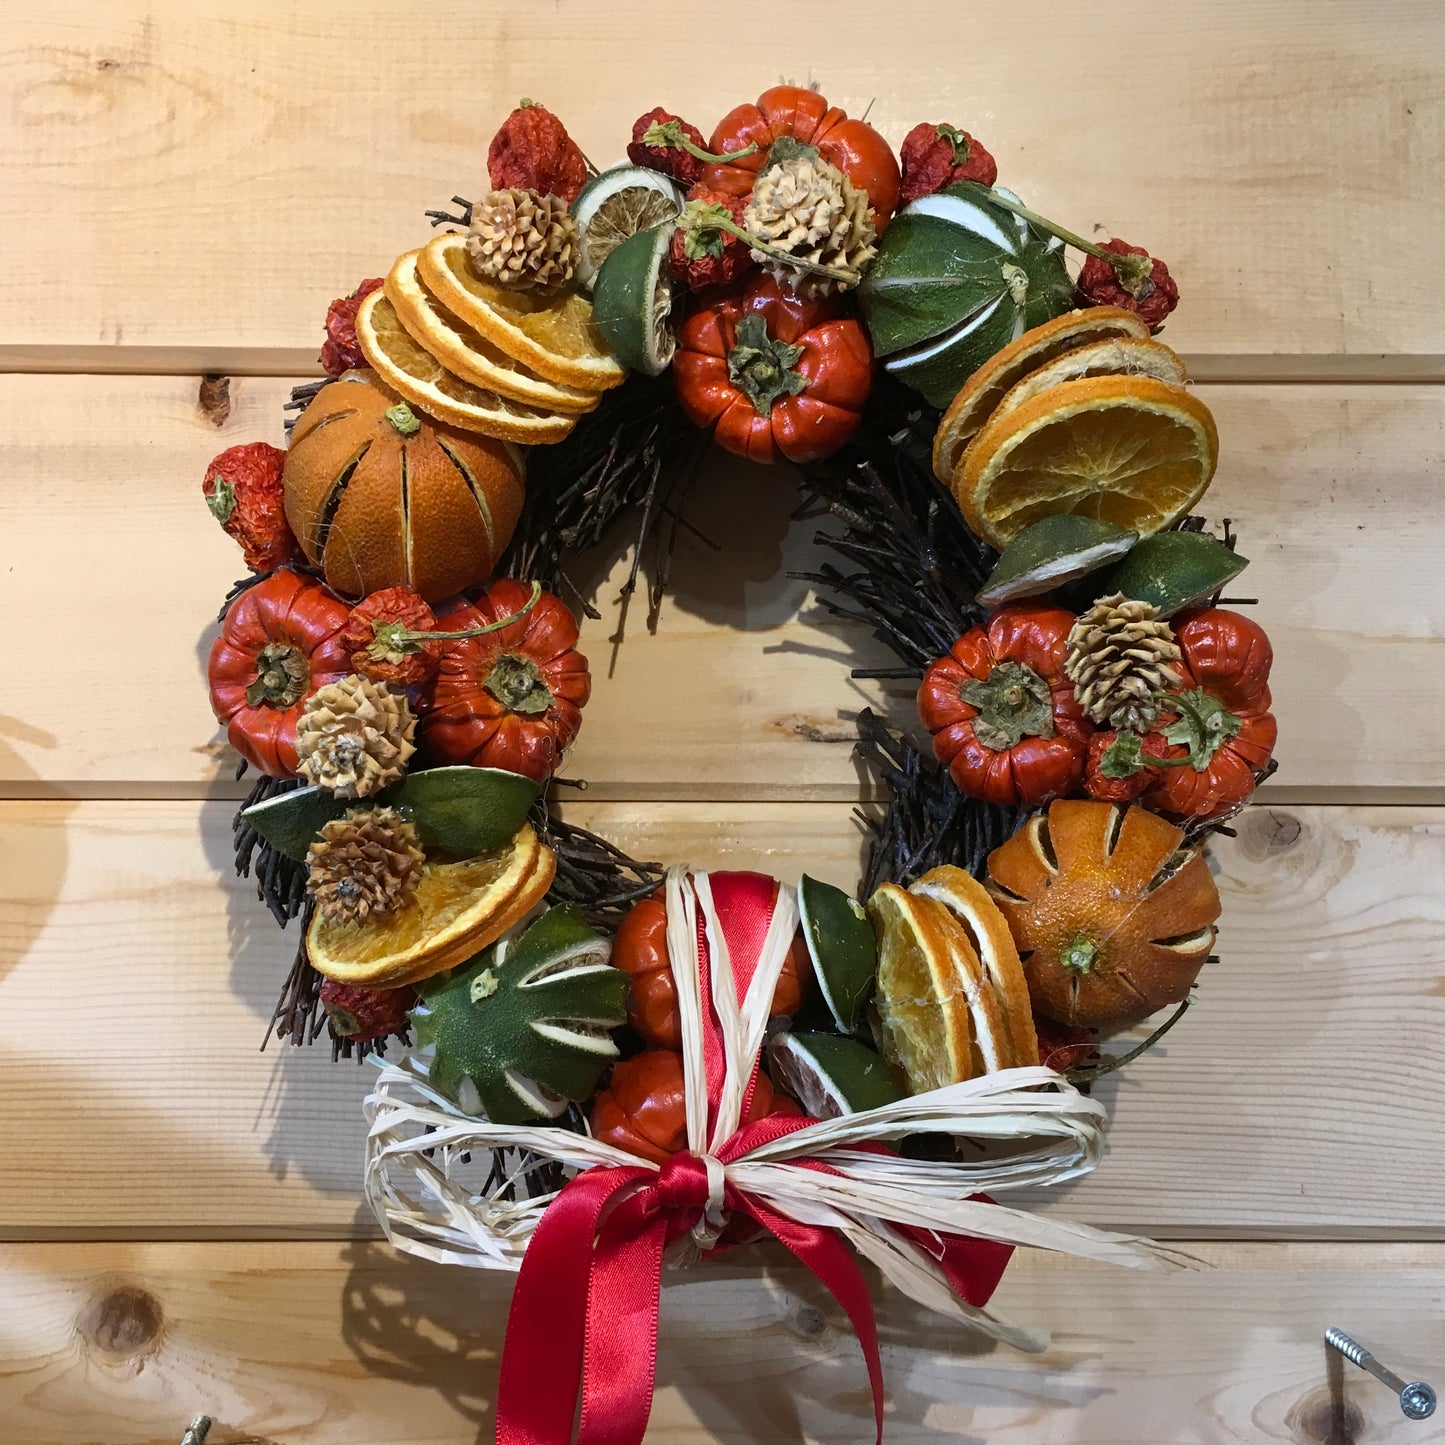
(180, 1224)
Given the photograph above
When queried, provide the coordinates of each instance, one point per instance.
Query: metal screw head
(1417, 1400)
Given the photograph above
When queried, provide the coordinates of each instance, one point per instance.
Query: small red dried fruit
(533, 152)
(367, 643)
(672, 161)
(363, 1014)
(1063, 1046)
(935, 156)
(1103, 780)
(721, 258)
(1152, 298)
(242, 488)
(340, 351)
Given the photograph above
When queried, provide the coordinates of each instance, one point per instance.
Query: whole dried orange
(381, 497)
(1113, 916)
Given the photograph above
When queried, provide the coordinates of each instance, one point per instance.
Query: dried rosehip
(533, 152)
(361, 1014)
(935, 156)
(1117, 771)
(371, 636)
(340, 351)
(1063, 1046)
(1152, 295)
(242, 488)
(711, 258)
(671, 160)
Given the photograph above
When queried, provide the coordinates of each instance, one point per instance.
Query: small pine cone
(1120, 657)
(355, 736)
(810, 209)
(364, 864)
(522, 239)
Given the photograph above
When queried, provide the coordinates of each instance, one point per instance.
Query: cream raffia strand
(416, 1138)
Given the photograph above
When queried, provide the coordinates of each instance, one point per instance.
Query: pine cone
(1120, 655)
(522, 239)
(364, 864)
(355, 736)
(810, 209)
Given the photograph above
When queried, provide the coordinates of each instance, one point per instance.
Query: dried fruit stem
(1132, 271)
(699, 216)
(397, 637)
(669, 135)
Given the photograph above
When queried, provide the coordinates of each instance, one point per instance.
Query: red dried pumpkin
(642, 1109)
(640, 949)
(858, 150)
(279, 643)
(512, 699)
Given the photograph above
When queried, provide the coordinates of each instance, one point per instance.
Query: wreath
(606, 1062)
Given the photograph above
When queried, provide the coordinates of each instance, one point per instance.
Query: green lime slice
(291, 822)
(464, 810)
(615, 205)
(957, 278)
(1173, 570)
(842, 946)
(631, 299)
(1052, 552)
(457, 810)
(829, 1076)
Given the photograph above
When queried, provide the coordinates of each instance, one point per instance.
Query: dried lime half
(829, 1076)
(615, 205)
(841, 944)
(1173, 570)
(1052, 552)
(632, 298)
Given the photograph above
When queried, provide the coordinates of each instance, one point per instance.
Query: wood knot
(214, 399)
(1321, 1418)
(807, 1323)
(124, 1323)
(1270, 830)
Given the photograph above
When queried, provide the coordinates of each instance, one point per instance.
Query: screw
(197, 1431)
(1417, 1399)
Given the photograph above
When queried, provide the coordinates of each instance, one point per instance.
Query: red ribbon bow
(585, 1311)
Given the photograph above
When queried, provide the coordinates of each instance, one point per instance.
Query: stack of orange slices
(1085, 414)
(952, 1003)
(518, 365)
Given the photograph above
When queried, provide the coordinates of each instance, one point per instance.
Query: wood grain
(744, 691)
(309, 1343)
(192, 183)
(1292, 1101)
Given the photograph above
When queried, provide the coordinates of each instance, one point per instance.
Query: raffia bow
(590, 1253)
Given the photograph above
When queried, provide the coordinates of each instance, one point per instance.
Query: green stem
(669, 135)
(713, 218)
(1131, 270)
(392, 637)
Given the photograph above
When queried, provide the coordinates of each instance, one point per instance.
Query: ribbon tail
(541, 1374)
(831, 1261)
(623, 1301)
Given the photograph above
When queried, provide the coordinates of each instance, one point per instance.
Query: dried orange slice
(988, 1033)
(418, 376)
(988, 932)
(554, 335)
(1129, 450)
(467, 353)
(923, 1014)
(1112, 914)
(1118, 356)
(983, 391)
(457, 910)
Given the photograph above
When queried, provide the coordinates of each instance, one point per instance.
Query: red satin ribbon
(585, 1311)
